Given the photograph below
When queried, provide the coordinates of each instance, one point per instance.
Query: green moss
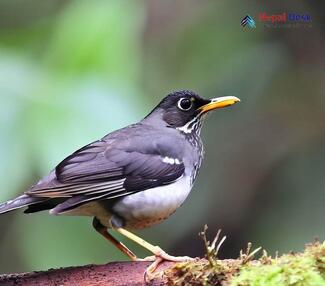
(201, 272)
(294, 269)
(291, 269)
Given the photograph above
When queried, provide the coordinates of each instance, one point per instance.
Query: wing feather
(108, 169)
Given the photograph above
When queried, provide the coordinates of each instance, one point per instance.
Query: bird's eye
(184, 104)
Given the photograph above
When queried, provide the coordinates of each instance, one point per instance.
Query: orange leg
(104, 232)
(159, 254)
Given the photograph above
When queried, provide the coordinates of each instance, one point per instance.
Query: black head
(184, 109)
(181, 107)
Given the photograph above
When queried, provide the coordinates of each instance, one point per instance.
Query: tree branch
(114, 273)
(305, 268)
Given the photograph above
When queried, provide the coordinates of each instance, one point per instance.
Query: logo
(285, 20)
(279, 20)
(248, 21)
(284, 17)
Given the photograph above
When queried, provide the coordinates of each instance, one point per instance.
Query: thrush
(132, 178)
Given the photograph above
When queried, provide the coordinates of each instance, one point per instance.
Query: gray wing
(108, 169)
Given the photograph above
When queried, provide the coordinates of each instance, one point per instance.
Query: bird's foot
(147, 258)
(159, 257)
(165, 256)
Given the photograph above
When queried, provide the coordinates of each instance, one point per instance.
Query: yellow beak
(219, 102)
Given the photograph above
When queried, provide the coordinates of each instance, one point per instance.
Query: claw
(148, 258)
(150, 274)
(161, 256)
(165, 256)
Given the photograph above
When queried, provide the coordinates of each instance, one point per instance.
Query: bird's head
(184, 109)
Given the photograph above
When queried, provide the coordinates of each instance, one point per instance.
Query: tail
(19, 202)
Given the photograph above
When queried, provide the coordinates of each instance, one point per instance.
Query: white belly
(149, 207)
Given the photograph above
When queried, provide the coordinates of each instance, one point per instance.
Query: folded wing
(102, 170)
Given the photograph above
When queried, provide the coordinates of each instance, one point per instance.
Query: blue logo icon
(248, 21)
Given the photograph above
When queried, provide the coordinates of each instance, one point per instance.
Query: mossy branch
(296, 269)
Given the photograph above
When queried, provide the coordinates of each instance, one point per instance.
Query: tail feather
(19, 202)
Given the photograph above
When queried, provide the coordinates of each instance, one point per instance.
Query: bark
(114, 273)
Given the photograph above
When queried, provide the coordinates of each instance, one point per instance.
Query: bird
(132, 178)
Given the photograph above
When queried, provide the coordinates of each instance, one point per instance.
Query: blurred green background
(73, 71)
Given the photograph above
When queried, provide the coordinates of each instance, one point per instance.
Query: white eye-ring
(185, 104)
